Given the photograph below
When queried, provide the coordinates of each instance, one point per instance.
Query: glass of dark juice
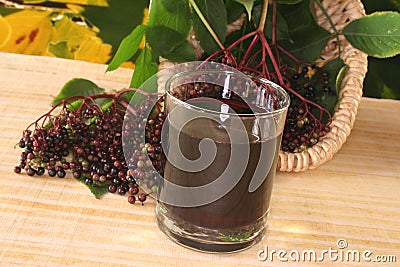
(221, 140)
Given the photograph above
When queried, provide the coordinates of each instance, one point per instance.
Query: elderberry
(132, 199)
(52, 172)
(142, 197)
(61, 173)
(40, 171)
(17, 169)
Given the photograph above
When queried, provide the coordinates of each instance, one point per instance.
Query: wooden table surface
(57, 222)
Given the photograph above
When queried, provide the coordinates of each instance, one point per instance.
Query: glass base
(211, 240)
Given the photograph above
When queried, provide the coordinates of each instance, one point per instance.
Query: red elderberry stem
(253, 57)
(241, 39)
(249, 49)
(306, 101)
(287, 53)
(274, 10)
(265, 45)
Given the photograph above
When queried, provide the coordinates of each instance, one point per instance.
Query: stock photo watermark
(340, 253)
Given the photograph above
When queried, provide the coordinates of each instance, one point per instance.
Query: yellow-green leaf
(31, 32)
(93, 50)
(74, 34)
(78, 2)
(60, 49)
(5, 31)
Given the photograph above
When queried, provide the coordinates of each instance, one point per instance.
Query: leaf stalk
(206, 24)
(263, 17)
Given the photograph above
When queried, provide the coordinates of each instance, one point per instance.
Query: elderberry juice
(238, 215)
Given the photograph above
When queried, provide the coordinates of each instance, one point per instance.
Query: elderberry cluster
(305, 122)
(143, 156)
(87, 141)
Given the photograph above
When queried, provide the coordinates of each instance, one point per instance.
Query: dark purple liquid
(236, 106)
(238, 207)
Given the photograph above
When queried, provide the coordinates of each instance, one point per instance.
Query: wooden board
(57, 222)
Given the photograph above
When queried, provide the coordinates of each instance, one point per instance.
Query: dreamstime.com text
(338, 254)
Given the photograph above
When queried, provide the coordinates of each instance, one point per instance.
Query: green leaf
(307, 39)
(169, 49)
(182, 53)
(128, 47)
(117, 20)
(215, 13)
(282, 31)
(145, 68)
(97, 190)
(377, 34)
(248, 5)
(174, 14)
(382, 78)
(74, 105)
(60, 49)
(234, 10)
(307, 48)
(77, 87)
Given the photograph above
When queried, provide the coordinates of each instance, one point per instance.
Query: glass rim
(275, 86)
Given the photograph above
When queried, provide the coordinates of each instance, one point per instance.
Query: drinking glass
(220, 140)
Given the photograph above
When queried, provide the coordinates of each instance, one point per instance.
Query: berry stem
(274, 10)
(266, 46)
(238, 41)
(249, 49)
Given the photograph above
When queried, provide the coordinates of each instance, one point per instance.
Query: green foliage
(234, 10)
(307, 39)
(182, 53)
(117, 20)
(60, 49)
(215, 13)
(377, 34)
(128, 47)
(173, 14)
(282, 31)
(145, 68)
(170, 21)
(382, 80)
(168, 49)
(77, 87)
(382, 73)
(248, 5)
(97, 190)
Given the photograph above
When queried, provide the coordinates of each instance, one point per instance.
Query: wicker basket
(341, 12)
